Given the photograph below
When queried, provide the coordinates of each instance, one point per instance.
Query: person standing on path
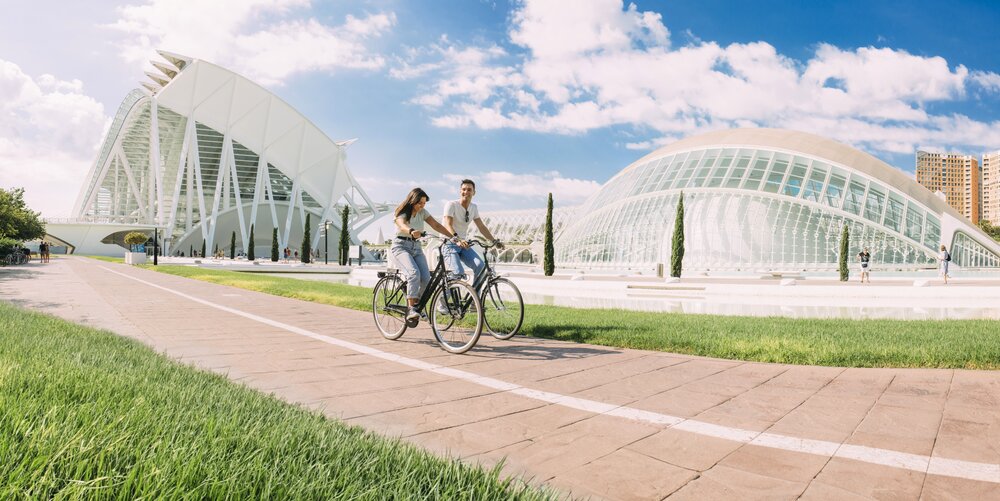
(865, 258)
(943, 259)
(411, 216)
(457, 215)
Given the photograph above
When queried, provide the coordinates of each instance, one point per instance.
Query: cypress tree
(677, 246)
(345, 237)
(250, 255)
(203, 248)
(549, 263)
(216, 251)
(232, 246)
(274, 245)
(305, 242)
(845, 244)
(191, 250)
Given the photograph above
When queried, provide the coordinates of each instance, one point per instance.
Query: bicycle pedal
(413, 323)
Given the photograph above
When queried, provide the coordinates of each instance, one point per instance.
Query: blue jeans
(409, 257)
(455, 256)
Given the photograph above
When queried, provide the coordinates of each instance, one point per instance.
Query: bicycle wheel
(459, 323)
(503, 308)
(389, 307)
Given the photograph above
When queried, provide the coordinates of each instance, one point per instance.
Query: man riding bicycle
(457, 215)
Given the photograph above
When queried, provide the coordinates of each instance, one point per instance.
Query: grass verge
(87, 414)
(966, 344)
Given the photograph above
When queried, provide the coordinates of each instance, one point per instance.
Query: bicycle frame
(438, 275)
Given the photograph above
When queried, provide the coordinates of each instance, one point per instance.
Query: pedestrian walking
(944, 257)
(865, 258)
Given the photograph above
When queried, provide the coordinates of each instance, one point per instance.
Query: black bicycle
(503, 306)
(455, 312)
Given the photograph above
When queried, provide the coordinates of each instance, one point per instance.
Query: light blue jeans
(455, 256)
(409, 257)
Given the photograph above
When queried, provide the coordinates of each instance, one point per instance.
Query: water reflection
(924, 308)
(733, 306)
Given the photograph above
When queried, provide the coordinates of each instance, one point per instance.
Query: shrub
(135, 238)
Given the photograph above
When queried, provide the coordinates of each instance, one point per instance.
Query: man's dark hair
(468, 181)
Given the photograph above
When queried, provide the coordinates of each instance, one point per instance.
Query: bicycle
(455, 314)
(15, 258)
(503, 306)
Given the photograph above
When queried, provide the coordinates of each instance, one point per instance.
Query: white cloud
(602, 64)
(49, 133)
(260, 39)
(499, 186)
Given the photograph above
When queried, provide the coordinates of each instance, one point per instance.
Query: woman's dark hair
(412, 199)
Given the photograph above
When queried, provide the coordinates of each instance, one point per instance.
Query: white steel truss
(202, 148)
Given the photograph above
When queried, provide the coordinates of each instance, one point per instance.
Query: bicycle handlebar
(484, 245)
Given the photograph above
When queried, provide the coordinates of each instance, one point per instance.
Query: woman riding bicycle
(411, 216)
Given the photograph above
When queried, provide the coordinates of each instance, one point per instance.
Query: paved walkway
(592, 421)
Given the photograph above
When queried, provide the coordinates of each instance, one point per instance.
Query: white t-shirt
(460, 222)
(416, 222)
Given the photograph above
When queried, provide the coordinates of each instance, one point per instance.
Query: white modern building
(767, 199)
(202, 152)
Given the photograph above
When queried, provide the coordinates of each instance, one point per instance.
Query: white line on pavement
(987, 472)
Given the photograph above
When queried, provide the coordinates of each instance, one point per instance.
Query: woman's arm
(438, 227)
(403, 224)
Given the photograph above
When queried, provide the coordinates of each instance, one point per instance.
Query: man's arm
(484, 230)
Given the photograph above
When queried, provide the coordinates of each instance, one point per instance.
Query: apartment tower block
(991, 187)
(957, 176)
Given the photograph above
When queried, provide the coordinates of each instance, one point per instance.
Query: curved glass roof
(790, 172)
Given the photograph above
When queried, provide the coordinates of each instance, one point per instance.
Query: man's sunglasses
(466, 215)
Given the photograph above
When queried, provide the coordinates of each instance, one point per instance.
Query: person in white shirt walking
(457, 216)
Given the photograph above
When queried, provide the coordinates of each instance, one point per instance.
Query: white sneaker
(413, 315)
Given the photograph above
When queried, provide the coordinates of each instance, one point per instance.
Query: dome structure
(767, 199)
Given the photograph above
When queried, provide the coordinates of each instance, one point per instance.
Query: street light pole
(326, 242)
(156, 249)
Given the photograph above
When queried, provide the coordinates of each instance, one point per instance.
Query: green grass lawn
(969, 344)
(87, 414)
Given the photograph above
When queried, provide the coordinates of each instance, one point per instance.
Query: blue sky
(525, 96)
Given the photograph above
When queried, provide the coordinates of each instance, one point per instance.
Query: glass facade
(754, 208)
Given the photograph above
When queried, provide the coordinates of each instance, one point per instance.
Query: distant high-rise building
(991, 187)
(957, 176)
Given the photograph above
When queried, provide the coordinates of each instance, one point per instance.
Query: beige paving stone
(416, 420)
(686, 450)
(818, 491)
(597, 376)
(785, 465)
(761, 403)
(641, 386)
(824, 418)
(649, 477)
(859, 383)
(722, 482)
(565, 367)
(899, 429)
(680, 402)
(955, 489)
(352, 404)
(971, 389)
(737, 379)
(805, 377)
(918, 390)
(576, 445)
(870, 480)
(482, 437)
(968, 441)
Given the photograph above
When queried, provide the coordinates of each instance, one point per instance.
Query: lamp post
(156, 249)
(326, 242)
